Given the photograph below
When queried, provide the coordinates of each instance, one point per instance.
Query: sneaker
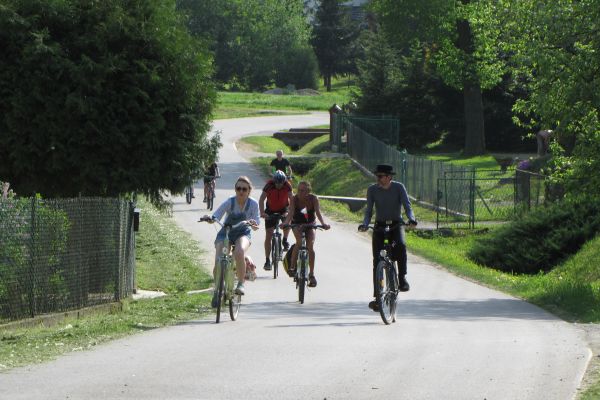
(240, 288)
(204, 201)
(312, 281)
(214, 300)
(374, 306)
(267, 266)
(404, 286)
(286, 245)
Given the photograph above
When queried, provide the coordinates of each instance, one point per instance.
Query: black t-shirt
(211, 170)
(280, 165)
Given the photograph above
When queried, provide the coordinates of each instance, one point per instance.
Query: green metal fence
(488, 197)
(418, 174)
(64, 254)
(462, 196)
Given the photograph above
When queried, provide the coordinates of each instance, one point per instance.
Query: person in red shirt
(278, 194)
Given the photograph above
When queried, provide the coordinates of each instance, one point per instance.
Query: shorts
(234, 235)
(271, 222)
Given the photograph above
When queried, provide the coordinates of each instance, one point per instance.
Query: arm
(318, 214)
(223, 208)
(288, 219)
(289, 168)
(368, 208)
(253, 216)
(406, 204)
(217, 173)
(261, 203)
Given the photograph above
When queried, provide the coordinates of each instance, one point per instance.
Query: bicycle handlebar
(313, 226)
(211, 220)
(390, 226)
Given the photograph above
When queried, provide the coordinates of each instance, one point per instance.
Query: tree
(101, 98)
(554, 47)
(251, 39)
(460, 37)
(332, 40)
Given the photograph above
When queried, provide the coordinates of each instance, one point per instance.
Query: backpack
(287, 261)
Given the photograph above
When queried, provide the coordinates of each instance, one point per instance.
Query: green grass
(243, 104)
(167, 259)
(266, 144)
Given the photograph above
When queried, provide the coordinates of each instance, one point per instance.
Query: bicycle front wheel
(209, 201)
(221, 290)
(302, 281)
(188, 196)
(386, 296)
(235, 302)
(275, 256)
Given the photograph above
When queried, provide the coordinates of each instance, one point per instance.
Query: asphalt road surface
(453, 338)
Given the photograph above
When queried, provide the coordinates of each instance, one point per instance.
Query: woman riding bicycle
(304, 207)
(240, 207)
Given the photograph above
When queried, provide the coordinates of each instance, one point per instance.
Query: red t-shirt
(277, 199)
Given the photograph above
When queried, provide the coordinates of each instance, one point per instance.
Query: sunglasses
(381, 176)
(242, 188)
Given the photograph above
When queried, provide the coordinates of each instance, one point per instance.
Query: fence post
(32, 260)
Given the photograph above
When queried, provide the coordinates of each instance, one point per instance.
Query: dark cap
(384, 169)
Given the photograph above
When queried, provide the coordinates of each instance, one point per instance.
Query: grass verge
(167, 260)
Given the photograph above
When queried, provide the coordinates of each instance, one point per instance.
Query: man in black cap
(389, 197)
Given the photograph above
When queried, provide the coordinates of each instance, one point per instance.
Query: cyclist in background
(304, 209)
(281, 164)
(278, 195)
(389, 197)
(210, 174)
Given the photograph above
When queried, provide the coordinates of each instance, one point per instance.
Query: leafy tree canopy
(101, 98)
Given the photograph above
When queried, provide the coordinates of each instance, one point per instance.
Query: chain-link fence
(488, 197)
(64, 254)
(385, 129)
(462, 196)
(418, 174)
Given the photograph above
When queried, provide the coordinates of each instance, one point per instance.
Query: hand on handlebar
(326, 226)
(412, 223)
(207, 218)
(253, 224)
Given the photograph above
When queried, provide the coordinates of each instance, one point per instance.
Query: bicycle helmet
(279, 177)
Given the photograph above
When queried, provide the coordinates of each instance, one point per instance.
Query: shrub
(298, 68)
(540, 240)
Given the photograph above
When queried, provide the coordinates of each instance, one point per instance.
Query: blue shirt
(251, 209)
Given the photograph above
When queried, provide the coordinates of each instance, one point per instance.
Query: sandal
(312, 281)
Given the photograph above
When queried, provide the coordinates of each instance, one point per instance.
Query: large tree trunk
(474, 127)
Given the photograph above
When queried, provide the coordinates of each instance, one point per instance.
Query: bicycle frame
(210, 191)
(276, 244)
(302, 267)
(387, 278)
(226, 275)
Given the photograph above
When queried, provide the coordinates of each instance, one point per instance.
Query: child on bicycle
(278, 195)
(304, 209)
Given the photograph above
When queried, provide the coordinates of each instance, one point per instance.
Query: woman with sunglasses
(240, 207)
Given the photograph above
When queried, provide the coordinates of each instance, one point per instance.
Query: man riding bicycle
(278, 195)
(389, 197)
(281, 164)
(210, 174)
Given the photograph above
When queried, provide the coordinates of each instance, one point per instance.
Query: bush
(298, 68)
(542, 239)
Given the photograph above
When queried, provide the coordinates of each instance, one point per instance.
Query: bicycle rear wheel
(386, 296)
(221, 290)
(188, 196)
(301, 280)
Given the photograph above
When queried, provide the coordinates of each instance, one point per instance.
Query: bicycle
(302, 268)
(276, 244)
(189, 193)
(226, 274)
(387, 276)
(210, 191)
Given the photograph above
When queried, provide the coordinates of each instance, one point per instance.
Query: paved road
(453, 340)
